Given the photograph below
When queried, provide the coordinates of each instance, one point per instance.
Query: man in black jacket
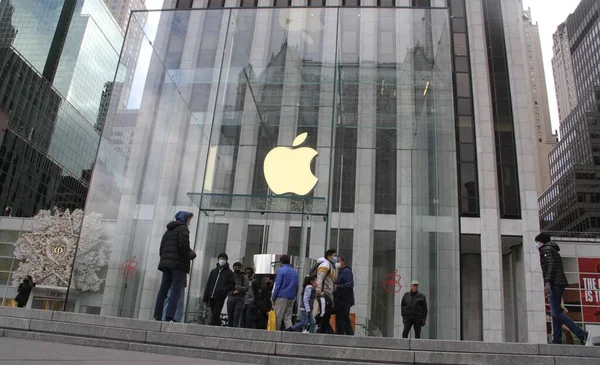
(220, 283)
(555, 282)
(413, 310)
(174, 264)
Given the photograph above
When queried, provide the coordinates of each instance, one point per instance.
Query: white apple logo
(287, 170)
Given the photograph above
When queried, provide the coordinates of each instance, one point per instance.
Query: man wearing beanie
(555, 282)
(175, 256)
(220, 283)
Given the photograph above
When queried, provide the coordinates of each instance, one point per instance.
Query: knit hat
(543, 238)
(223, 255)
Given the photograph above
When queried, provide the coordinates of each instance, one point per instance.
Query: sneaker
(305, 331)
(585, 338)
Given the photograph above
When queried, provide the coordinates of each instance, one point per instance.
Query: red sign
(589, 282)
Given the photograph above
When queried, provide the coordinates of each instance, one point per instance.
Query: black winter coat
(552, 266)
(414, 305)
(220, 283)
(175, 247)
(24, 290)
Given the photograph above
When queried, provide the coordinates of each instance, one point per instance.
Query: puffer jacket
(552, 266)
(175, 247)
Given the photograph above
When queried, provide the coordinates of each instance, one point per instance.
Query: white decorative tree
(47, 252)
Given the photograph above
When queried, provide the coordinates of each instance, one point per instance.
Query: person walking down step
(306, 306)
(555, 282)
(220, 283)
(284, 292)
(413, 310)
(237, 297)
(174, 263)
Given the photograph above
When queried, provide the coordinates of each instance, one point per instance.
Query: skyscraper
(571, 203)
(121, 9)
(562, 68)
(543, 138)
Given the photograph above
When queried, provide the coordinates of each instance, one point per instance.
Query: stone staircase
(277, 348)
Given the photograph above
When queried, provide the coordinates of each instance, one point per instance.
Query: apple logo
(287, 170)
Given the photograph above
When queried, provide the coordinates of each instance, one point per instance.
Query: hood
(321, 260)
(182, 216)
(553, 245)
(174, 225)
(345, 268)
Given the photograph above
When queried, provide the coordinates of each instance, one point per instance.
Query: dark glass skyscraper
(572, 203)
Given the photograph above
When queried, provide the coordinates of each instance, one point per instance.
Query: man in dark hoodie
(555, 282)
(220, 283)
(174, 264)
(344, 298)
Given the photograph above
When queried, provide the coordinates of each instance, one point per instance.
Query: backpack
(314, 270)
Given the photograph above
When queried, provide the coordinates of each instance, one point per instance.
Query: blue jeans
(173, 279)
(305, 317)
(179, 311)
(559, 317)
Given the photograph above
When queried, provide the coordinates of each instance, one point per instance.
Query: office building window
(467, 162)
(504, 133)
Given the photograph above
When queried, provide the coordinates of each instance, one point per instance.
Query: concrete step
(265, 347)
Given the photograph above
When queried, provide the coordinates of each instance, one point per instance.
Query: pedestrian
(220, 282)
(24, 291)
(237, 297)
(248, 319)
(264, 303)
(180, 305)
(344, 298)
(413, 310)
(326, 277)
(306, 306)
(174, 263)
(284, 292)
(555, 282)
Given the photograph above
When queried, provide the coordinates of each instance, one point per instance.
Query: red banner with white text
(589, 281)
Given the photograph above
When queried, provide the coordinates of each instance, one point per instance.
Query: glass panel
(199, 128)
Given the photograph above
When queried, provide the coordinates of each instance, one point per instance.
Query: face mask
(537, 245)
(222, 262)
(334, 259)
(338, 265)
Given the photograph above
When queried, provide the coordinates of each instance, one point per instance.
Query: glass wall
(223, 87)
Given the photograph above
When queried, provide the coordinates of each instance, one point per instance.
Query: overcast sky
(549, 14)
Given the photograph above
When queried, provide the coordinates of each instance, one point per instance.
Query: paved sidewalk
(28, 352)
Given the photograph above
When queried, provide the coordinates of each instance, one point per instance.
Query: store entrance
(252, 229)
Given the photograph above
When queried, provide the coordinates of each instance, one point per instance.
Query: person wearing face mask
(220, 283)
(237, 297)
(344, 298)
(326, 278)
(284, 292)
(175, 256)
(555, 282)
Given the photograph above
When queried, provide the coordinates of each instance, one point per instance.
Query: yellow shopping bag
(272, 323)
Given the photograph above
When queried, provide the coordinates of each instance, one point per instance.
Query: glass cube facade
(221, 88)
